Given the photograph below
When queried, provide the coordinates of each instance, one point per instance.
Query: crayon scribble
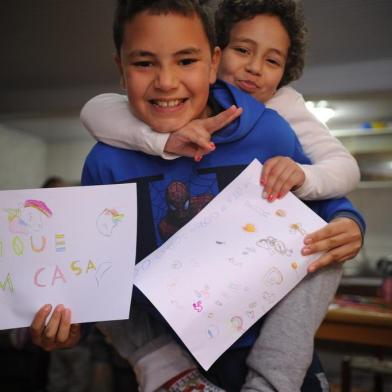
(7, 283)
(198, 306)
(101, 271)
(273, 245)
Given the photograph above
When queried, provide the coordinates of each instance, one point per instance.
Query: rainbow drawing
(39, 205)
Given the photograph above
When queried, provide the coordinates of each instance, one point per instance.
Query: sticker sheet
(228, 266)
(73, 246)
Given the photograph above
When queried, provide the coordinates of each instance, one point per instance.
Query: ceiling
(56, 54)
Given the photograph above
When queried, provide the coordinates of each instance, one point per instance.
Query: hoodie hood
(226, 95)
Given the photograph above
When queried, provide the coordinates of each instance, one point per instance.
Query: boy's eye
(187, 61)
(142, 64)
(241, 50)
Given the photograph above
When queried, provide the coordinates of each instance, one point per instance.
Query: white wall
(374, 203)
(22, 159)
(66, 159)
(27, 160)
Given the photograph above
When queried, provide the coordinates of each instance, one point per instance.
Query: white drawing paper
(73, 246)
(228, 266)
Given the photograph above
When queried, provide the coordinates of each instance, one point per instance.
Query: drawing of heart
(273, 277)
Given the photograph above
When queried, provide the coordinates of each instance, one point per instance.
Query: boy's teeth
(168, 104)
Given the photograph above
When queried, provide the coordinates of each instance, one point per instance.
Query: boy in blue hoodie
(167, 60)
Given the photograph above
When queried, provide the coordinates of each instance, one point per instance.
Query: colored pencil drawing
(273, 245)
(297, 228)
(7, 284)
(107, 220)
(101, 271)
(273, 277)
(237, 323)
(249, 227)
(28, 217)
(281, 213)
(59, 242)
(212, 331)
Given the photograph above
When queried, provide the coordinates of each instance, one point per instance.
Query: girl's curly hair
(289, 12)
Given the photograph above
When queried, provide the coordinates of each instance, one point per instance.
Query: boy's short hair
(127, 9)
(291, 16)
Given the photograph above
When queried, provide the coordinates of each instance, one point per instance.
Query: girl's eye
(187, 61)
(274, 62)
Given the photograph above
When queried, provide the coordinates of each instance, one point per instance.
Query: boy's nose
(166, 79)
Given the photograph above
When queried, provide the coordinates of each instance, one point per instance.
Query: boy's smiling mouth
(168, 103)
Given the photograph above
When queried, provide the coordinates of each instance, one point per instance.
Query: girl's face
(255, 58)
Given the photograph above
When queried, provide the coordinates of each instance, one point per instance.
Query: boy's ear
(117, 59)
(215, 60)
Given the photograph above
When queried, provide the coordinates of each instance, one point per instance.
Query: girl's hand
(194, 140)
(58, 332)
(279, 175)
(341, 239)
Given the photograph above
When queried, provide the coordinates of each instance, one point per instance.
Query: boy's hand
(194, 140)
(279, 175)
(58, 333)
(341, 239)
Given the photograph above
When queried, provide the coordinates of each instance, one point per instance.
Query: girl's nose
(254, 66)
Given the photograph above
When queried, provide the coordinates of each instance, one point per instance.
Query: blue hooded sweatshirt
(171, 192)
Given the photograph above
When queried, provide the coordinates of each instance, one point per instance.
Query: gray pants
(278, 360)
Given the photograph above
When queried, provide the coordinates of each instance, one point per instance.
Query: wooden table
(354, 325)
(359, 330)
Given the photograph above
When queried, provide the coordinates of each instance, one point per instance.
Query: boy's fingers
(63, 332)
(219, 121)
(52, 327)
(38, 324)
(74, 332)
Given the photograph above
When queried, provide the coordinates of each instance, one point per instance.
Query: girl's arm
(108, 119)
(334, 171)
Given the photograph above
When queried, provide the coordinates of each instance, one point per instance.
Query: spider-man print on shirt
(173, 201)
(181, 208)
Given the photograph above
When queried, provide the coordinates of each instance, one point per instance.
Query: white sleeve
(108, 119)
(334, 171)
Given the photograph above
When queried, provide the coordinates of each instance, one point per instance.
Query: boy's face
(255, 58)
(167, 67)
